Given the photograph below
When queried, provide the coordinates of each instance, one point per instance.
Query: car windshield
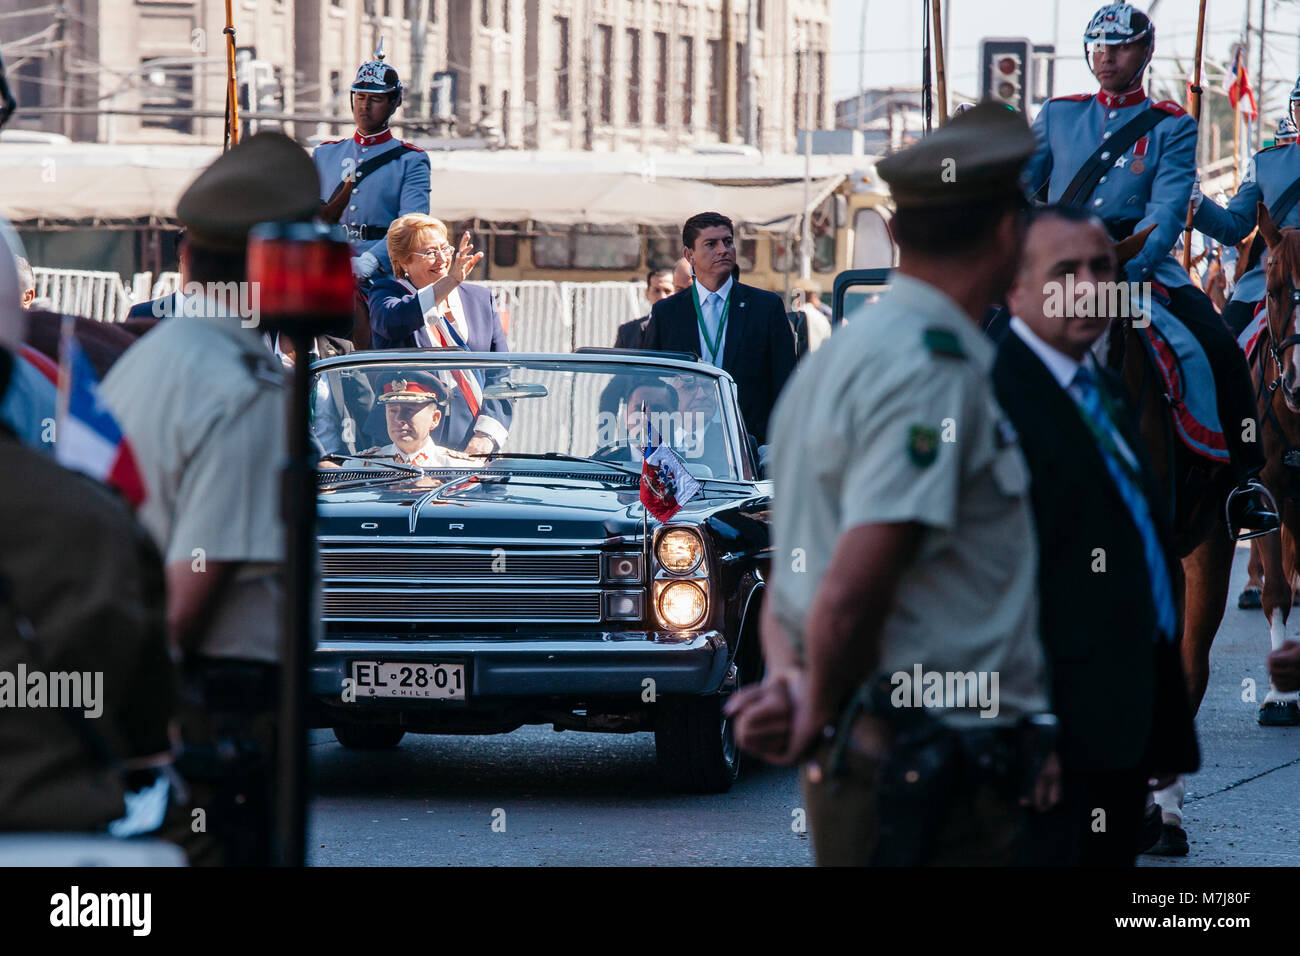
(426, 412)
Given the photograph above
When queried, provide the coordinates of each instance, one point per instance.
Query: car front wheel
(695, 746)
(368, 736)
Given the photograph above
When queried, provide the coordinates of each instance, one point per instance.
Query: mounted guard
(372, 178)
(1133, 163)
(1272, 178)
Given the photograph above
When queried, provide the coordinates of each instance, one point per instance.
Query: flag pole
(1195, 103)
(232, 84)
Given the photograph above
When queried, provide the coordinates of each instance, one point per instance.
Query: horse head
(1120, 325)
(1282, 281)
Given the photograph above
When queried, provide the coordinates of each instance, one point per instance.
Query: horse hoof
(1251, 599)
(1279, 713)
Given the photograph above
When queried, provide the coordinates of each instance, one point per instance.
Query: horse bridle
(1290, 456)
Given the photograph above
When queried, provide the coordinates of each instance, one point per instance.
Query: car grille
(421, 584)
(460, 566)
(461, 605)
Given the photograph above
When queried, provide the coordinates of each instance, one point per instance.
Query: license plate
(414, 681)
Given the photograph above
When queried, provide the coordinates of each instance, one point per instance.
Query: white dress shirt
(712, 317)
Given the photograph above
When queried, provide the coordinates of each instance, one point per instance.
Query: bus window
(872, 246)
(552, 249)
(784, 250)
(662, 251)
(746, 253)
(505, 247)
(612, 247)
(823, 259)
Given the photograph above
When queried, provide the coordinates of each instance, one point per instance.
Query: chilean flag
(88, 439)
(1240, 86)
(666, 485)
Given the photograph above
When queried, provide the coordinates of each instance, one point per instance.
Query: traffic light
(1007, 66)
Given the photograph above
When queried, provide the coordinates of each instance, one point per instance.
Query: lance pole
(232, 85)
(1195, 103)
(940, 75)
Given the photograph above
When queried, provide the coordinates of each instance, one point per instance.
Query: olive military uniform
(897, 424)
(82, 580)
(203, 402)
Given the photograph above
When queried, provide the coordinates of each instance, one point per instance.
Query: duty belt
(366, 233)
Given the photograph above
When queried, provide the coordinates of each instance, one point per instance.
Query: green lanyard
(712, 343)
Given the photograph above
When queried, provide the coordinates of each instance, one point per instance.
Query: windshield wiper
(560, 456)
(408, 469)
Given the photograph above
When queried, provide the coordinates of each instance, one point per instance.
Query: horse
(1278, 382)
(1196, 491)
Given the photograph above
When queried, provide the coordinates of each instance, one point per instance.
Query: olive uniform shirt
(898, 423)
(86, 578)
(202, 402)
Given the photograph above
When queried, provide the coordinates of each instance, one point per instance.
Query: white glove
(1197, 196)
(364, 265)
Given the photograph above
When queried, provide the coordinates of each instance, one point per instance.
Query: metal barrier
(95, 295)
(542, 316)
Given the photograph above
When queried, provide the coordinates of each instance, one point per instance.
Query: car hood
(551, 507)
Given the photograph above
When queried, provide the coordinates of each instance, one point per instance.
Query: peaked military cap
(411, 388)
(977, 157)
(267, 177)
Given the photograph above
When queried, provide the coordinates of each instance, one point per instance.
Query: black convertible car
(467, 595)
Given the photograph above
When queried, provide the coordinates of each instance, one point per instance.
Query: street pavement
(540, 798)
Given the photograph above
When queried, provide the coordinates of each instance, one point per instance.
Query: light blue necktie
(1112, 447)
(712, 306)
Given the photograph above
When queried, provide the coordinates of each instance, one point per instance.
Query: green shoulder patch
(922, 445)
(943, 342)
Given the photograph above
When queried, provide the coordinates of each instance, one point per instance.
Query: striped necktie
(1124, 472)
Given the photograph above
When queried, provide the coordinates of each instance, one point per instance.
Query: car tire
(369, 736)
(694, 743)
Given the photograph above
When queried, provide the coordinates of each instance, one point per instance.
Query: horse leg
(1249, 597)
(1277, 552)
(1207, 570)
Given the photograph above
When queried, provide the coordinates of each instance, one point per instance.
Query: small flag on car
(666, 484)
(87, 437)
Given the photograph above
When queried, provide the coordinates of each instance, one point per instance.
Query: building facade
(602, 75)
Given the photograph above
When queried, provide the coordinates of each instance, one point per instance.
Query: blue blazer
(395, 315)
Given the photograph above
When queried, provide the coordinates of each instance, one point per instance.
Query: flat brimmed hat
(266, 178)
(411, 388)
(977, 157)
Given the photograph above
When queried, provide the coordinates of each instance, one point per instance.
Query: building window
(562, 68)
(687, 48)
(483, 103)
(484, 17)
(168, 92)
(606, 53)
(433, 10)
(505, 15)
(821, 90)
(661, 79)
(505, 116)
(388, 8)
(717, 69)
(758, 14)
(634, 76)
(799, 111)
(742, 90)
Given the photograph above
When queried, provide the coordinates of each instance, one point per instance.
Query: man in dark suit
(659, 284)
(166, 306)
(342, 402)
(1108, 612)
(736, 327)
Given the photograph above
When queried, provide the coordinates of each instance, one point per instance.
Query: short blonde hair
(406, 234)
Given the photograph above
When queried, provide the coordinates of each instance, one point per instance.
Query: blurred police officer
(904, 544)
(370, 179)
(1272, 178)
(202, 400)
(1133, 164)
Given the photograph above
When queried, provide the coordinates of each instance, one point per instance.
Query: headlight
(682, 604)
(680, 551)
